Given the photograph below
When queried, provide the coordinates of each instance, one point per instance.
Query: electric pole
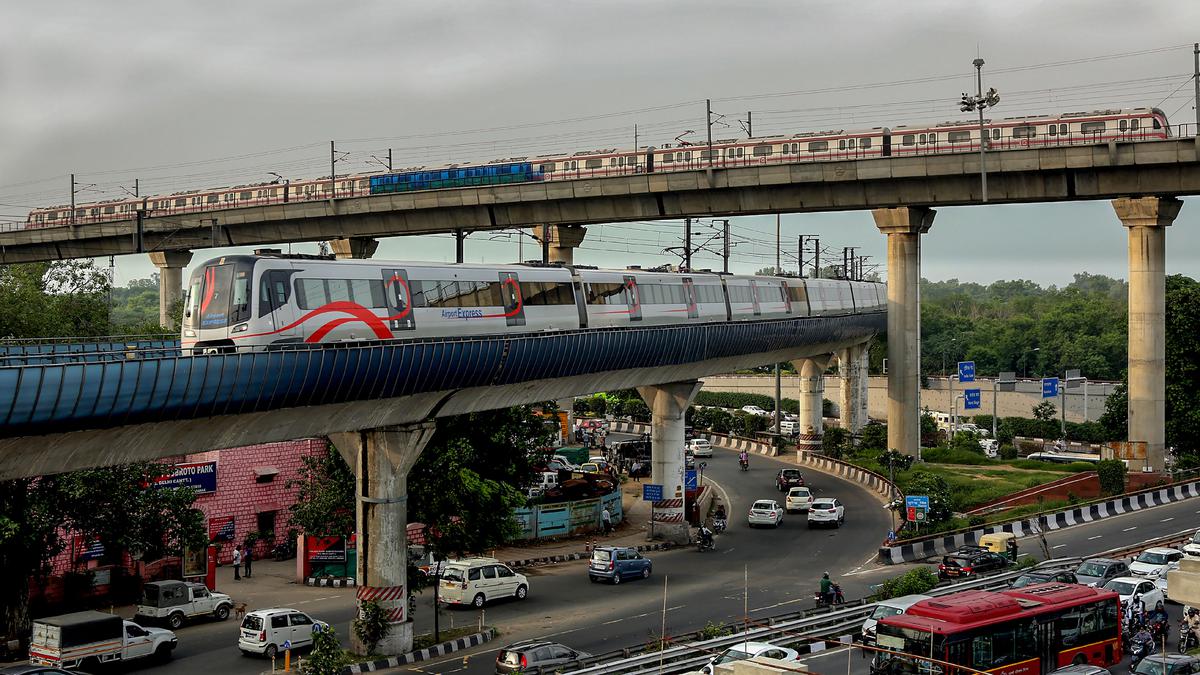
(332, 172)
(778, 262)
(459, 236)
(687, 244)
(708, 124)
(72, 200)
(1196, 79)
(725, 254)
(389, 160)
(749, 124)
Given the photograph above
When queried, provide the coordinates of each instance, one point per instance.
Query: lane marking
(779, 604)
(1129, 528)
(1167, 520)
(1095, 537)
(1059, 546)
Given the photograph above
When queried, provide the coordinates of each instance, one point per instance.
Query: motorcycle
(1140, 646)
(836, 591)
(705, 542)
(284, 551)
(1188, 639)
(745, 464)
(719, 525)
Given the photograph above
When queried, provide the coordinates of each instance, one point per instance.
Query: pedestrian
(606, 520)
(237, 562)
(247, 558)
(636, 472)
(1012, 549)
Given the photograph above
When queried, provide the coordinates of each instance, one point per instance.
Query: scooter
(719, 525)
(1187, 637)
(838, 597)
(284, 551)
(706, 543)
(1140, 646)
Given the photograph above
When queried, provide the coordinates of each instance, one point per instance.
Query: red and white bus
(1025, 631)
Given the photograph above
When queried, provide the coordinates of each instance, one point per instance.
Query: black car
(787, 479)
(522, 656)
(1167, 664)
(1044, 576)
(970, 563)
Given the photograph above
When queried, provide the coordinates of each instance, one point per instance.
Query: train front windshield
(219, 295)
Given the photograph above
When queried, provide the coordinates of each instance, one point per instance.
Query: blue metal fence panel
(553, 521)
(614, 504)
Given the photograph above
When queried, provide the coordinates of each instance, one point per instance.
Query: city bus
(1025, 631)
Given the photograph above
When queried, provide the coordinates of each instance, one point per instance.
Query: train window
(212, 199)
(818, 146)
(181, 202)
(959, 137)
(924, 139)
(996, 134)
(612, 161)
(339, 290)
(762, 150)
(1133, 124)
(311, 293)
(272, 291)
(228, 196)
(109, 209)
(594, 163)
(667, 157)
(864, 143)
(547, 293)
(842, 144)
(95, 212)
(687, 156)
(1062, 130)
(933, 138)
(246, 195)
(1091, 127)
(908, 139)
(1024, 132)
(606, 294)
(741, 152)
(850, 143)
(1123, 125)
(1053, 129)
(1157, 124)
(548, 167)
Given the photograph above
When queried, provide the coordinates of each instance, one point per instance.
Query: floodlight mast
(980, 102)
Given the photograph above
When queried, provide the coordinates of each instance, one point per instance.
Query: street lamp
(979, 102)
(1025, 361)
(945, 349)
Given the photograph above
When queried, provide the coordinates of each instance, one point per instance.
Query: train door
(787, 297)
(728, 306)
(398, 293)
(633, 298)
(754, 297)
(274, 304)
(886, 150)
(580, 301)
(510, 293)
(689, 296)
(650, 159)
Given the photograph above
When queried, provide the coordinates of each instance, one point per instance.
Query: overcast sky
(206, 94)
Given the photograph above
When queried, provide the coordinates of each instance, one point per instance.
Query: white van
(886, 608)
(542, 481)
(477, 581)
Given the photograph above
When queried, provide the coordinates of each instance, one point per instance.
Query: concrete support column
(852, 407)
(381, 459)
(1147, 219)
(669, 404)
(904, 227)
(564, 239)
(353, 248)
(812, 397)
(170, 266)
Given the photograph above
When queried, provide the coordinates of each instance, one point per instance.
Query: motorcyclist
(826, 589)
(1137, 611)
(719, 516)
(705, 535)
(1192, 621)
(743, 458)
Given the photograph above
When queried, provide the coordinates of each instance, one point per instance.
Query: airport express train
(271, 300)
(1011, 133)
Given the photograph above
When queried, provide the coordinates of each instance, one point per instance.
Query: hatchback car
(1127, 587)
(1154, 560)
(826, 511)
(1044, 576)
(1081, 669)
(765, 512)
(1167, 664)
(527, 654)
(617, 563)
(971, 563)
(1097, 571)
(265, 631)
(798, 500)
(788, 478)
(748, 650)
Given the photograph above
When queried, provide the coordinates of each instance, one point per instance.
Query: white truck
(175, 602)
(94, 638)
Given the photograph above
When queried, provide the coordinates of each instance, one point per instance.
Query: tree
(873, 436)
(1045, 411)
(1183, 368)
(29, 538)
(326, 656)
(936, 488)
(62, 299)
(1115, 420)
(965, 440)
(324, 495)
(929, 429)
(835, 441)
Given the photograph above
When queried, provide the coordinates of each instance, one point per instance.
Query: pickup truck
(177, 601)
(94, 638)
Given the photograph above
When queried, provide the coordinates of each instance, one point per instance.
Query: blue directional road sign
(966, 371)
(652, 493)
(916, 501)
(689, 480)
(1049, 387)
(971, 399)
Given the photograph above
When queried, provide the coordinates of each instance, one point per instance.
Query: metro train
(271, 300)
(1010, 133)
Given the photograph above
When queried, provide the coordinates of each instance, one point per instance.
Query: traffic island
(417, 655)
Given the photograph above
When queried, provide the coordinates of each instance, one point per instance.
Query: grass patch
(446, 634)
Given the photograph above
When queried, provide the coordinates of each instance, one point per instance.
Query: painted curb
(423, 654)
(331, 582)
(568, 557)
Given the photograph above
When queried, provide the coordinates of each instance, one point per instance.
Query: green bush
(954, 456)
(326, 656)
(1112, 476)
(371, 625)
(873, 436)
(914, 581)
(1008, 451)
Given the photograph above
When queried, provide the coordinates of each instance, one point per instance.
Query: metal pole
(545, 243)
(458, 245)
(954, 404)
(816, 257)
(520, 246)
(778, 248)
(994, 390)
(687, 243)
(982, 139)
(708, 124)
(389, 160)
(72, 200)
(636, 152)
(749, 124)
(1085, 398)
(332, 173)
(778, 398)
(800, 255)
(1062, 394)
(1196, 79)
(725, 255)
(135, 188)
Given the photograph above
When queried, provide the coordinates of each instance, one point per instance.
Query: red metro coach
(1025, 631)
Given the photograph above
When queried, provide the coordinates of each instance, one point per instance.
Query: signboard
(195, 562)
(326, 549)
(221, 529)
(89, 550)
(917, 507)
(287, 644)
(652, 493)
(689, 480)
(201, 476)
(1125, 450)
(966, 371)
(971, 399)
(1049, 387)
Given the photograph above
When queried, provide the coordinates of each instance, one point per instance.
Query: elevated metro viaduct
(1144, 179)
(377, 402)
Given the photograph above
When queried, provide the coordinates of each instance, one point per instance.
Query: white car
(1160, 580)
(700, 447)
(978, 431)
(1192, 548)
(826, 511)
(765, 512)
(754, 410)
(798, 500)
(1154, 560)
(748, 650)
(266, 631)
(1127, 587)
(990, 447)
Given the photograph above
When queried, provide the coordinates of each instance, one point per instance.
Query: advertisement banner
(201, 476)
(221, 529)
(195, 562)
(326, 549)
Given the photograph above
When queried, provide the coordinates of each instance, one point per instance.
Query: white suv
(826, 511)
(1192, 548)
(267, 631)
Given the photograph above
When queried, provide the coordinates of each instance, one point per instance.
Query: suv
(615, 563)
(1044, 577)
(176, 601)
(1097, 571)
(546, 656)
(970, 562)
(826, 511)
(265, 631)
(475, 581)
(788, 478)
(1166, 664)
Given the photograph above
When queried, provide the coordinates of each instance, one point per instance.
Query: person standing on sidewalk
(606, 520)
(237, 562)
(247, 558)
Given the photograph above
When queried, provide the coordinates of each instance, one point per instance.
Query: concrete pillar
(669, 404)
(853, 374)
(1147, 219)
(170, 266)
(353, 248)
(563, 241)
(811, 373)
(381, 459)
(904, 227)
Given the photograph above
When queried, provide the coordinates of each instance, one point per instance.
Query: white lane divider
(1059, 546)
(1095, 537)
(1167, 520)
(1129, 528)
